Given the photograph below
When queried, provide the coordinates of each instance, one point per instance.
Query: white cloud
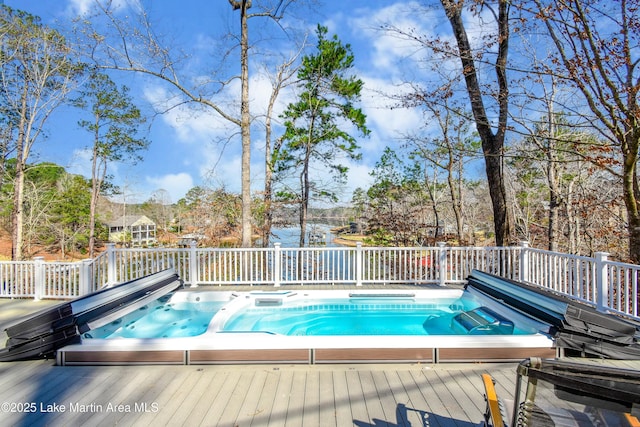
(387, 32)
(191, 123)
(80, 163)
(388, 123)
(83, 7)
(176, 184)
(357, 177)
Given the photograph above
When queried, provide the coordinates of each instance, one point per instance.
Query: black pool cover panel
(41, 334)
(573, 325)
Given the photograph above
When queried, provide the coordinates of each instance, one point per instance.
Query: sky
(186, 147)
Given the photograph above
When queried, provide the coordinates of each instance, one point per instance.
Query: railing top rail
(187, 249)
(16, 262)
(621, 264)
(548, 252)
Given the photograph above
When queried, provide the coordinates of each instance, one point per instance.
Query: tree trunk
(553, 176)
(434, 205)
(245, 127)
(268, 187)
(17, 219)
(631, 195)
(492, 144)
(573, 221)
(304, 203)
(554, 209)
(456, 202)
(95, 188)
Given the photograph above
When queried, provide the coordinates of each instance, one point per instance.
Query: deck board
(311, 408)
(295, 411)
(356, 397)
(235, 412)
(196, 395)
(278, 414)
(461, 401)
(249, 405)
(172, 400)
(265, 399)
(327, 403)
(373, 404)
(405, 415)
(342, 415)
(385, 395)
(260, 395)
(210, 401)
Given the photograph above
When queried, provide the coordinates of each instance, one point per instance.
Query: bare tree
(596, 53)
(160, 204)
(282, 78)
(449, 151)
(245, 119)
(135, 47)
(492, 141)
(37, 74)
(487, 99)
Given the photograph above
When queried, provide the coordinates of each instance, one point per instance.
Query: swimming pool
(371, 314)
(294, 314)
(309, 326)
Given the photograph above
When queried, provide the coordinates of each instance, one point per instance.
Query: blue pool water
(161, 319)
(359, 317)
(167, 318)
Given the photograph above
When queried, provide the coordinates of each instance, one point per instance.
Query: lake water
(290, 236)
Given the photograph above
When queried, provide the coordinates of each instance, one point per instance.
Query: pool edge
(86, 355)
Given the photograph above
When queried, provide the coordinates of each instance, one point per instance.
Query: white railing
(607, 285)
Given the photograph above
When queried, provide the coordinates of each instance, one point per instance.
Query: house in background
(133, 230)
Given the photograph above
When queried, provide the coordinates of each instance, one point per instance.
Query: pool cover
(39, 335)
(573, 325)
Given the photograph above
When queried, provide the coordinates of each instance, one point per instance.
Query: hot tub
(319, 326)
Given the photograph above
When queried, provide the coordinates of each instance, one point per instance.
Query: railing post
(523, 273)
(38, 278)
(602, 281)
(85, 285)
(359, 266)
(277, 265)
(193, 265)
(112, 268)
(442, 263)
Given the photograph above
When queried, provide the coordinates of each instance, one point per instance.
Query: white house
(136, 230)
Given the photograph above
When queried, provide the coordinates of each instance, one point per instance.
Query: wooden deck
(35, 393)
(38, 393)
(255, 395)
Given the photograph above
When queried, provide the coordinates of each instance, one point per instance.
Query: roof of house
(129, 220)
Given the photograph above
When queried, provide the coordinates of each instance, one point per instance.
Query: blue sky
(185, 150)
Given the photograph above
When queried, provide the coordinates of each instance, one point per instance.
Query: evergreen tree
(319, 123)
(114, 126)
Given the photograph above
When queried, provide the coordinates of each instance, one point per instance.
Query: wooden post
(602, 281)
(38, 278)
(193, 265)
(112, 269)
(442, 263)
(523, 273)
(359, 266)
(85, 285)
(277, 265)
